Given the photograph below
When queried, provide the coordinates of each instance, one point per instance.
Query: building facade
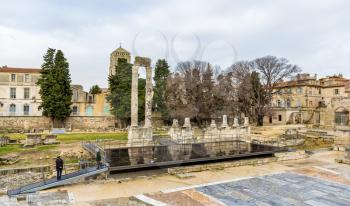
(19, 94)
(308, 100)
(87, 104)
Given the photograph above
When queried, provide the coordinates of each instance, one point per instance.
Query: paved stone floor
(285, 189)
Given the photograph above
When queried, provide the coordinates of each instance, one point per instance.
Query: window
(89, 111)
(90, 99)
(26, 78)
(75, 95)
(13, 77)
(319, 91)
(26, 93)
(299, 90)
(298, 103)
(12, 109)
(25, 109)
(310, 103)
(279, 103)
(288, 103)
(13, 93)
(336, 91)
(75, 110)
(106, 109)
(342, 118)
(280, 118)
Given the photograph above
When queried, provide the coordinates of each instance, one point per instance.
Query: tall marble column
(148, 98)
(134, 96)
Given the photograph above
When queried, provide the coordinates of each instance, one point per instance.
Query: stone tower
(119, 53)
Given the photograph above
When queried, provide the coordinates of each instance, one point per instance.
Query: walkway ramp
(53, 182)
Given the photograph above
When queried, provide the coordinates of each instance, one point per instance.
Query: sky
(314, 34)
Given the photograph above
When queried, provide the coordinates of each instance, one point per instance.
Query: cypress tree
(161, 74)
(55, 87)
(119, 95)
(120, 91)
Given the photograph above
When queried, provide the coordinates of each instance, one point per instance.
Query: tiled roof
(19, 70)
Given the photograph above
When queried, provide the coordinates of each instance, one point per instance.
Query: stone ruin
(141, 135)
(4, 140)
(50, 139)
(33, 139)
(347, 153)
(212, 133)
(36, 139)
(182, 144)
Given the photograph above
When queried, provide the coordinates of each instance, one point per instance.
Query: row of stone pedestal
(225, 132)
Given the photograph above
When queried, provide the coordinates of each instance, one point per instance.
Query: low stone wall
(96, 123)
(24, 123)
(39, 123)
(280, 156)
(9, 171)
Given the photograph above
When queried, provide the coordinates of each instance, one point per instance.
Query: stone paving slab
(327, 175)
(287, 189)
(300, 190)
(185, 198)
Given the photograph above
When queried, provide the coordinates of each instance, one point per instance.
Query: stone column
(246, 121)
(148, 98)
(187, 122)
(134, 96)
(224, 121)
(213, 124)
(186, 132)
(235, 122)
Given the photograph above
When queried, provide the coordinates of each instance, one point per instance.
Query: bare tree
(273, 70)
(240, 73)
(190, 91)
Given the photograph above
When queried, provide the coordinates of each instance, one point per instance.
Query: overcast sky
(314, 34)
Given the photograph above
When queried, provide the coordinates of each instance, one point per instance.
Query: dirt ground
(158, 180)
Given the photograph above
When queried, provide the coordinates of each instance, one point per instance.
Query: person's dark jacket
(98, 156)
(59, 163)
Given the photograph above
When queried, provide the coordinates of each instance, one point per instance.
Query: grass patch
(45, 147)
(16, 135)
(9, 149)
(76, 137)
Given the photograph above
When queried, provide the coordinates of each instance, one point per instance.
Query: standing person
(98, 158)
(59, 167)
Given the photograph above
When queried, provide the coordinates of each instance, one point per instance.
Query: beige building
(308, 100)
(87, 104)
(19, 94)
